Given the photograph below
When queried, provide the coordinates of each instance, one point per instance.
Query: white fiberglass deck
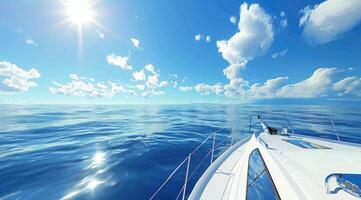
(297, 172)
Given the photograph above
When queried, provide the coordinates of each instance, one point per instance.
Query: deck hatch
(305, 144)
(259, 181)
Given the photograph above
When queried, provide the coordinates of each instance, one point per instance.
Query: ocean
(128, 151)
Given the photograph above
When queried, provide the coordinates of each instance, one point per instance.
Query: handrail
(325, 118)
(215, 145)
(183, 190)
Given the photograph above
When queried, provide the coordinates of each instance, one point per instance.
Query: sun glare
(79, 11)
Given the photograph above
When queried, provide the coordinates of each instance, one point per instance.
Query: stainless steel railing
(187, 162)
(252, 124)
(323, 118)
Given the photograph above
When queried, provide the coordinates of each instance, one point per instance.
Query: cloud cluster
(326, 22)
(15, 78)
(119, 61)
(254, 37)
(147, 80)
(348, 86)
(321, 83)
(84, 87)
(200, 37)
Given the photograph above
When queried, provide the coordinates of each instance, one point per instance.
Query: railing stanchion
(186, 178)
(334, 128)
(214, 141)
(250, 123)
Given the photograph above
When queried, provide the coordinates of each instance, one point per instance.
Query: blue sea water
(126, 152)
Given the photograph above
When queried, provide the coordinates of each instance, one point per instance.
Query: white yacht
(281, 164)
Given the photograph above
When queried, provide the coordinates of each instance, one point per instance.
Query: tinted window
(259, 182)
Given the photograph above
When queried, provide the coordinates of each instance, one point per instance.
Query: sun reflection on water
(90, 182)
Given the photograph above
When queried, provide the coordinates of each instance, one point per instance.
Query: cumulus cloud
(149, 82)
(349, 85)
(322, 83)
(163, 84)
(80, 87)
(135, 42)
(185, 88)
(31, 42)
(233, 19)
(15, 78)
(207, 89)
(315, 86)
(139, 76)
(254, 37)
(150, 68)
(119, 61)
(267, 89)
(326, 22)
(279, 54)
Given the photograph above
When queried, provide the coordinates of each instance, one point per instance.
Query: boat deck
(299, 167)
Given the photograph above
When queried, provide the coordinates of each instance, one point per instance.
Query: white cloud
(150, 93)
(163, 84)
(236, 87)
(150, 68)
(349, 85)
(31, 42)
(80, 87)
(283, 23)
(120, 61)
(268, 89)
(74, 77)
(317, 85)
(148, 81)
(135, 42)
(233, 19)
(208, 38)
(152, 81)
(198, 37)
(327, 21)
(207, 89)
(16, 78)
(139, 76)
(185, 88)
(320, 84)
(254, 37)
(279, 54)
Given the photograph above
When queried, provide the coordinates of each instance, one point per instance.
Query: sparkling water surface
(126, 152)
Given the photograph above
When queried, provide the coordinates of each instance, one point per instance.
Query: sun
(79, 12)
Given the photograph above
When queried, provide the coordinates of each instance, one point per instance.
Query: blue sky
(184, 51)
